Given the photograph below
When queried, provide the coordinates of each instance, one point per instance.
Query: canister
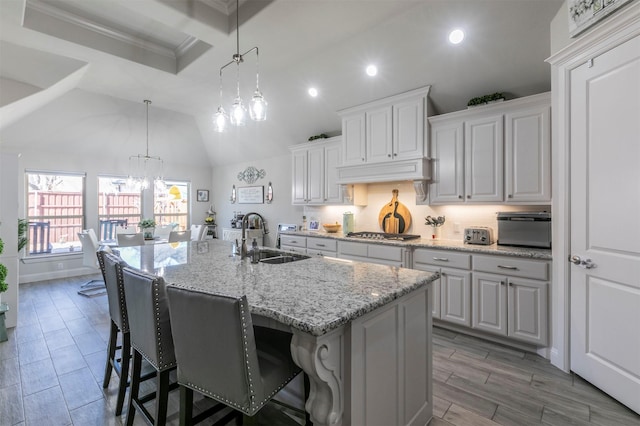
(347, 223)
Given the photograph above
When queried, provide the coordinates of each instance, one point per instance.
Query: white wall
(95, 134)
(560, 29)
(278, 172)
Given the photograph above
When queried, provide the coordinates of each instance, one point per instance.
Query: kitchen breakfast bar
(361, 332)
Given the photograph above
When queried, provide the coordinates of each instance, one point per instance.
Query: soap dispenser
(255, 253)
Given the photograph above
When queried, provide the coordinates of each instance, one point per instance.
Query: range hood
(417, 170)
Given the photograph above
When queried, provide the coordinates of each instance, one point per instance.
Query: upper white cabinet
(387, 129)
(493, 154)
(314, 172)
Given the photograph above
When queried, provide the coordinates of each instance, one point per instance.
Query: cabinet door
(528, 310)
(299, 178)
(489, 303)
(484, 167)
(435, 288)
(528, 156)
(353, 132)
(315, 175)
(408, 129)
(447, 151)
(379, 135)
(332, 191)
(455, 287)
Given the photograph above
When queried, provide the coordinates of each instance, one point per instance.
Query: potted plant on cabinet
(148, 227)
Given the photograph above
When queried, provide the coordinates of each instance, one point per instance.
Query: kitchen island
(361, 332)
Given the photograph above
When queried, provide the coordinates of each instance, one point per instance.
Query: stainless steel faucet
(245, 222)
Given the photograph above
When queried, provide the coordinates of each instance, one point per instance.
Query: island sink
(277, 257)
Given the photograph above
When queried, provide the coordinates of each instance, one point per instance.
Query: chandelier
(144, 168)
(238, 112)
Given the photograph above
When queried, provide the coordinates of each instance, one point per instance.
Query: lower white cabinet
(321, 246)
(372, 253)
(452, 292)
(511, 297)
(293, 243)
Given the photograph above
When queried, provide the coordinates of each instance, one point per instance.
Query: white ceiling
(140, 49)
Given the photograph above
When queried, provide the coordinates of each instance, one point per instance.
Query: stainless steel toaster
(482, 235)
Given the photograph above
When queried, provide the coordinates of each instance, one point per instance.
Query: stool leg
(135, 386)
(186, 406)
(124, 371)
(111, 354)
(307, 390)
(162, 394)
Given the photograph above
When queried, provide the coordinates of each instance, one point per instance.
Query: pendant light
(238, 112)
(144, 168)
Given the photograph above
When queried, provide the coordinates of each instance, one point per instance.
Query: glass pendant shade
(258, 108)
(220, 120)
(238, 113)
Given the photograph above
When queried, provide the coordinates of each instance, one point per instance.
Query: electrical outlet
(456, 227)
(60, 265)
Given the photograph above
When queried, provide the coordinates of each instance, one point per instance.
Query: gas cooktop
(382, 236)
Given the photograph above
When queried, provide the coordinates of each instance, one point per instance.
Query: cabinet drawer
(442, 258)
(385, 252)
(324, 244)
(534, 269)
(293, 240)
(352, 249)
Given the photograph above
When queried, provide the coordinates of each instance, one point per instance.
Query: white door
(605, 222)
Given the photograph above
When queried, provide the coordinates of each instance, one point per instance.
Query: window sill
(42, 258)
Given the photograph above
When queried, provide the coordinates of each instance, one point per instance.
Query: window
(117, 202)
(55, 211)
(171, 204)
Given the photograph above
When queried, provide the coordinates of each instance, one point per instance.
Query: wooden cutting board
(394, 217)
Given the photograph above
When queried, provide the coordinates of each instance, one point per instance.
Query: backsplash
(458, 217)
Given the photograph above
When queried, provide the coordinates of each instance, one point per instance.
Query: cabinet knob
(389, 155)
(460, 197)
(510, 196)
(501, 282)
(363, 159)
(395, 154)
(468, 196)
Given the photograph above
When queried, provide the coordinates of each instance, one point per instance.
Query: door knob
(586, 263)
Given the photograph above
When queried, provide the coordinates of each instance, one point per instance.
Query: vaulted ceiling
(171, 51)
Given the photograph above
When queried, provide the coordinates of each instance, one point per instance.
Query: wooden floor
(52, 366)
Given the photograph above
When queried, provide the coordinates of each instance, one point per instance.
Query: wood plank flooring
(51, 373)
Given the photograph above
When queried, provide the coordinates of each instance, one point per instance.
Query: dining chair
(222, 356)
(151, 338)
(162, 232)
(89, 242)
(177, 236)
(197, 232)
(113, 279)
(127, 240)
(39, 234)
(124, 229)
(108, 228)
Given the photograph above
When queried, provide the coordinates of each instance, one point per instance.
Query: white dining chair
(125, 230)
(162, 232)
(128, 240)
(177, 236)
(197, 232)
(89, 241)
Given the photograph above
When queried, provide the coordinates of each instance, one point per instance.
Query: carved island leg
(321, 358)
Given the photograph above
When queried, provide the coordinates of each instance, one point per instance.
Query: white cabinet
(321, 246)
(314, 173)
(372, 253)
(293, 243)
(453, 290)
(387, 129)
(511, 297)
(527, 165)
(493, 154)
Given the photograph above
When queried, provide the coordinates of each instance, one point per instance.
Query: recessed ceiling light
(456, 36)
(313, 92)
(372, 70)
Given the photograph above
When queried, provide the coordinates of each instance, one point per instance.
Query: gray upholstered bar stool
(220, 356)
(150, 330)
(111, 266)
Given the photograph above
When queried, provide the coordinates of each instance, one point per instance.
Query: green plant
(320, 136)
(23, 229)
(147, 223)
(3, 272)
(486, 98)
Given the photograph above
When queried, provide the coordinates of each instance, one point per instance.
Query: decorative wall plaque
(251, 174)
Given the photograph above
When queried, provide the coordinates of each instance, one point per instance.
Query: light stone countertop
(495, 249)
(314, 295)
